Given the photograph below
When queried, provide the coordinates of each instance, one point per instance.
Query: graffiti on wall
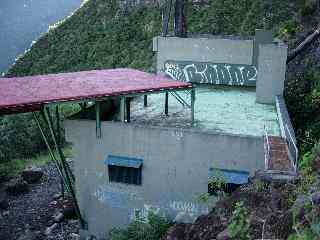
(190, 210)
(126, 198)
(212, 73)
(115, 196)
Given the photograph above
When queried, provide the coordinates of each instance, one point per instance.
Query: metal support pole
(122, 109)
(145, 100)
(128, 100)
(68, 176)
(98, 120)
(59, 143)
(193, 99)
(45, 138)
(166, 104)
(48, 119)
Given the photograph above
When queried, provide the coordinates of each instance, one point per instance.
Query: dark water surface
(23, 21)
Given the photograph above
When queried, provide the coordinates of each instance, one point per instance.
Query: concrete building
(160, 158)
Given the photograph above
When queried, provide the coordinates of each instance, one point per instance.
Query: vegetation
(239, 223)
(14, 167)
(306, 215)
(152, 229)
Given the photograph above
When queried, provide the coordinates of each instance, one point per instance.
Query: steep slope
(103, 34)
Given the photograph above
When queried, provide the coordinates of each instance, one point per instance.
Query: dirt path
(32, 212)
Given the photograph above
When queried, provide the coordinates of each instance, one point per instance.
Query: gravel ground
(31, 213)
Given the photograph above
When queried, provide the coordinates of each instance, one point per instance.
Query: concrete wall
(208, 58)
(175, 168)
(272, 71)
(216, 50)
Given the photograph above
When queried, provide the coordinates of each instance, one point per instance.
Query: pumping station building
(149, 142)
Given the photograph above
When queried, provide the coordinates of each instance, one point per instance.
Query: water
(23, 21)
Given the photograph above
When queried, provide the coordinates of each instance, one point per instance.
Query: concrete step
(276, 176)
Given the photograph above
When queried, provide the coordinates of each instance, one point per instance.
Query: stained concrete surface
(229, 110)
(23, 21)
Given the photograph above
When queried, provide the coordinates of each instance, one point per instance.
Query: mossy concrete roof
(225, 110)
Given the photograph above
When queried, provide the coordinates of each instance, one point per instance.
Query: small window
(226, 180)
(124, 169)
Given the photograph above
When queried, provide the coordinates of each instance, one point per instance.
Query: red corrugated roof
(23, 94)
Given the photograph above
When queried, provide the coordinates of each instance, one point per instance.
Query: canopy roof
(25, 94)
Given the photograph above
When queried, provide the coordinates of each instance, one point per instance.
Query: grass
(14, 167)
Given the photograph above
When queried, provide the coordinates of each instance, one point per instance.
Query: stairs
(279, 163)
(279, 157)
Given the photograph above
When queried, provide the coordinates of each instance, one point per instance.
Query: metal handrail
(291, 142)
(267, 153)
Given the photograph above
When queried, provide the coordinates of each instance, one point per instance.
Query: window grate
(124, 170)
(125, 175)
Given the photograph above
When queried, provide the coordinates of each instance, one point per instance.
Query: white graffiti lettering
(208, 73)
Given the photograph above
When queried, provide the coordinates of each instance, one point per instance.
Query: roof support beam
(193, 99)
(122, 109)
(98, 120)
(59, 142)
(166, 104)
(145, 100)
(128, 102)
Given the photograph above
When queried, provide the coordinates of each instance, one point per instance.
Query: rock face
(32, 175)
(30, 236)
(316, 198)
(58, 217)
(17, 186)
(224, 235)
(4, 204)
(184, 217)
(69, 211)
(176, 232)
(50, 229)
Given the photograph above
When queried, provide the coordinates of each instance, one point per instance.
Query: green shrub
(306, 222)
(239, 223)
(316, 150)
(153, 229)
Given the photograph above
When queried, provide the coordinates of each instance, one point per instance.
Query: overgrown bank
(259, 210)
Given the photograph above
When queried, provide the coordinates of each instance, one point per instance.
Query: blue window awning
(230, 176)
(120, 161)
